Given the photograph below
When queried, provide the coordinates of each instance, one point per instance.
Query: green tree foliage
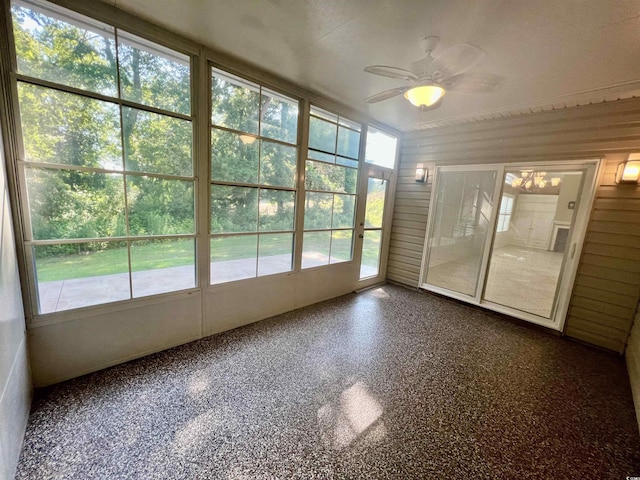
(57, 51)
(241, 158)
(333, 150)
(375, 203)
(74, 130)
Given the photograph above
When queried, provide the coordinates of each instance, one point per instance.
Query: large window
(331, 177)
(108, 161)
(254, 135)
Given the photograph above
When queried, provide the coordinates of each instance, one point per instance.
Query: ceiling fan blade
(473, 82)
(378, 97)
(392, 72)
(421, 67)
(455, 60)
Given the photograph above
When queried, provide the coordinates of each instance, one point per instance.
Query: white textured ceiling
(552, 53)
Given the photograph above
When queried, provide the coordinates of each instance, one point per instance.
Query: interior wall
(532, 222)
(568, 193)
(15, 381)
(605, 294)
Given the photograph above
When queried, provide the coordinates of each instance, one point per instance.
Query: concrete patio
(63, 295)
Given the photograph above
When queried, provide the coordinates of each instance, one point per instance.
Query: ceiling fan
(432, 76)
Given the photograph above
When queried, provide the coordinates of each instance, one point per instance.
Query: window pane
(381, 148)
(234, 209)
(458, 236)
(376, 191)
(341, 243)
(55, 44)
(323, 157)
(279, 118)
(317, 112)
(160, 266)
(343, 211)
(315, 249)
(348, 123)
(348, 142)
(275, 253)
(278, 165)
(234, 158)
(157, 143)
(330, 178)
(370, 253)
(347, 162)
(69, 129)
(233, 258)
(317, 211)
(72, 204)
(234, 103)
(77, 275)
(276, 210)
(159, 207)
(153, 75)
(322, 135)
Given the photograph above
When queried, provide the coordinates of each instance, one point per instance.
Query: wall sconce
(629, 172)
(421, 173)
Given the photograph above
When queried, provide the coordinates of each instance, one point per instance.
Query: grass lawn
(144, 256)
(165, 254)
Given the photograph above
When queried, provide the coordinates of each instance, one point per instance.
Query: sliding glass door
(537, 213)
(505, 237)
(459, 230)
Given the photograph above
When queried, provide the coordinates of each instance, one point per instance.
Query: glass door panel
(537, 212)
(372, 239)
(458, 236)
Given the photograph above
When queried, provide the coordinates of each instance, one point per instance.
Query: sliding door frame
(568, 272)
(476, 297)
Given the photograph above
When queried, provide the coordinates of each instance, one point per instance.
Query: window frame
(21, 164)
(339, 121)
(201, 59)
(258, 87)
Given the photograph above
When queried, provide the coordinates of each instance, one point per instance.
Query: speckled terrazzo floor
(389, 383)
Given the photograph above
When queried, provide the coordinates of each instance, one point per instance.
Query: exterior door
(373, 222)
(374, 213)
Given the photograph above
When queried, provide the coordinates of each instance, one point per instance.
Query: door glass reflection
(464, 203)
(536, 213)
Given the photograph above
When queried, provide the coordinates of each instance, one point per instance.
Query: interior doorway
(507, 237)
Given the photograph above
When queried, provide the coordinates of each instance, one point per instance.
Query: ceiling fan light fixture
(424, 95)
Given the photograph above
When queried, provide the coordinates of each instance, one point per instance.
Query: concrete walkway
(83, 292)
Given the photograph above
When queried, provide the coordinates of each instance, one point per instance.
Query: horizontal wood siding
(605, 295)
(607, 288)
(410, 214)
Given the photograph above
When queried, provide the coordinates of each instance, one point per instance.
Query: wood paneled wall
(607, 288)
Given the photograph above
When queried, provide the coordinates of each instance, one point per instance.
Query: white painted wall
(569, 189)
(15, 381)
(532, 224)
